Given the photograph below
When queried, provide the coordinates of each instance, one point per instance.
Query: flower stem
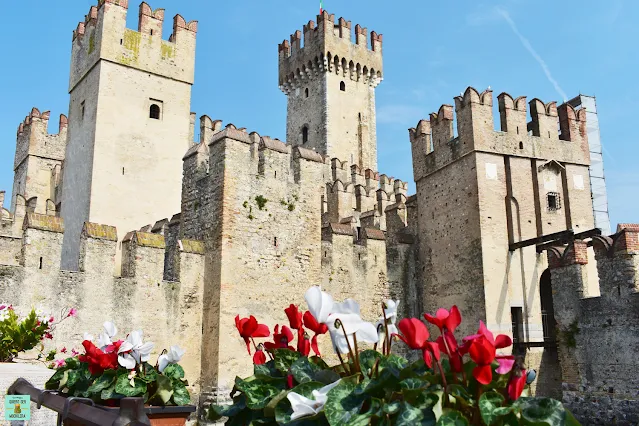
(441, 371)
(386, 347)
(359, 367)
(348, 343)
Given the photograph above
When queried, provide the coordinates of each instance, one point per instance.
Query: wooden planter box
(159, 416)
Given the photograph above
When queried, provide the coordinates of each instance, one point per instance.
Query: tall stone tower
(489, 201)
(330, 83)
(129, 121)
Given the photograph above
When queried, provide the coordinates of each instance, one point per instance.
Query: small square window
(554, 201)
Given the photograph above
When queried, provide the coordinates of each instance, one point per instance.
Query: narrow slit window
(151, 32)
(342, 86)
(82, 109)
(306, 92)
(304, 134)
(275, 241)
(40, 263)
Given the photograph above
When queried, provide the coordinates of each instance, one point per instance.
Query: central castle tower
(330, 82)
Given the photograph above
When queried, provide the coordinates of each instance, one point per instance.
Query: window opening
(547, 308)
(154, 112)
(521, 145)
(151, 32)
(122, 171)
(554, 201)
(517, 317)
(342, 86)
(40, 263)
(82, 109)
(275, 241)
(304, 134)
(306, 92)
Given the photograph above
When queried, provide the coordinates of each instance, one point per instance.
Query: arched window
(342, 86)
(306, 92)
(304, 134)
(154, 112)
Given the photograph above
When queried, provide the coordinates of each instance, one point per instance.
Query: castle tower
(38, 163)
(129, 121)
(489, 201)
(330, 83)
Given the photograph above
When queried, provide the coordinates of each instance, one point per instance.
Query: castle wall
(598, 336)
(100, 297)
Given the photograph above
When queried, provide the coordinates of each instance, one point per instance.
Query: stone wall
(169, 313)
(599, 336)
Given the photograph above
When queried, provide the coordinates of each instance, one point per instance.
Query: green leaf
(303, 370)
(267, 369)
(104, 381)
(72, 376)
(216, 412)
(368, 358)
(409, 415)
(54, 381)
(395, 364)
(283, 410)
(343, 404)
(180, 393)
(326, 376)
(110, 393)
(391, 408)
(452, 418)
(123, 386)
(162, 391)
(174, 371)
(150, 374)
(460, 393)
(489, 402)
(413, 383)
(541, 411)
(284, 359)
(258, 394)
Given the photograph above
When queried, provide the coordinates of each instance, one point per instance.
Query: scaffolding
(597, 178)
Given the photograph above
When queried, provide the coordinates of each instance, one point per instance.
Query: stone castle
(122, 215)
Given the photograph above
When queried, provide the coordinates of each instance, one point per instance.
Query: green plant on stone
(261, 202)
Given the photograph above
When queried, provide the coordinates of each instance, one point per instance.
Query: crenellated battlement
(553, 132)
(33, 137)
(329, 47)
(103, 35)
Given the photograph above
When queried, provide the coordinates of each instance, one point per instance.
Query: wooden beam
(580, 236)
(540, 240)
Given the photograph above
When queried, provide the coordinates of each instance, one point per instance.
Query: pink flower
(58, 363)
(73, 312)
(51, 320)
(48, 336)
(74, 352)
(64, 350)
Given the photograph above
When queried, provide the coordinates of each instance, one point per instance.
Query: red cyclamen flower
(303, 344)
(445, 320)
(451, 348)
(516, 383)
(318, 328)
(98, 361)
(415, 335)
(294, 317)
(482, 349)
(259, 357)
(280, 339)
(249, 327)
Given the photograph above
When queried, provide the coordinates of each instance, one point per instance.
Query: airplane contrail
(533, 52)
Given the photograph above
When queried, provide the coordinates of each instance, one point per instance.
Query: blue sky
(432, 52)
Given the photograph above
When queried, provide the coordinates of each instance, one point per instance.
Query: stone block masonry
(598, 337)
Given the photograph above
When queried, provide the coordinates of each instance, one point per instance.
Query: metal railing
(82, 410)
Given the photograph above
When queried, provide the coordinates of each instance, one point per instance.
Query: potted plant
(22, 349)
(453, 382)
(114, 369)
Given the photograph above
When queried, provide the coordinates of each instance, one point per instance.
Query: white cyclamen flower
(173, 356)
(391, 310)
(381, 330)
(351, 325)
(303, 406)
(104, 339)
(320, 303)
(133, 351)
(348, 306)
